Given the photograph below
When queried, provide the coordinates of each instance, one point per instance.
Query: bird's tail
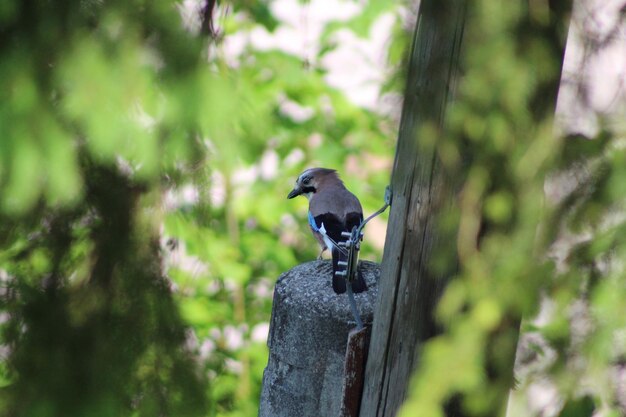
(339, 281)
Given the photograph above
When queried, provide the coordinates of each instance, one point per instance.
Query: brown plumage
(334, 208)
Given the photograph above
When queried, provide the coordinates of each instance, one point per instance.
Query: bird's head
(309, 182)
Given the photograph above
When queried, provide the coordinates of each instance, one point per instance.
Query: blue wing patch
(312, 223)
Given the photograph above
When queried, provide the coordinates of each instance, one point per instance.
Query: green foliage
(583, 407)
(143, 219)
(516, 245)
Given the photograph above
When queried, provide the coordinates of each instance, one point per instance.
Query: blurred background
(147, 149)
(146, 153)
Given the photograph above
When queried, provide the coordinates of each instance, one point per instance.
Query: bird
(332, 210)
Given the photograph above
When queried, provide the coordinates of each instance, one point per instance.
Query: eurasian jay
(332, 210)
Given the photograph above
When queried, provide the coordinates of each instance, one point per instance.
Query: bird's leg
(319, 257)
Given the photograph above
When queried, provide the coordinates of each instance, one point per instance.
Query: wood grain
(408, 290)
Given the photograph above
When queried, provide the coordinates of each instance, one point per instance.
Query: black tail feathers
(339, 281)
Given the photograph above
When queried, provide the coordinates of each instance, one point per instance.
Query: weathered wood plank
(408, 290)
(354, 370)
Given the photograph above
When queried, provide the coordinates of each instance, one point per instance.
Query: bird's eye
(306, 180)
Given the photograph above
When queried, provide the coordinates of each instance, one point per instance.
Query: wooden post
(408, 290)
(409, 287)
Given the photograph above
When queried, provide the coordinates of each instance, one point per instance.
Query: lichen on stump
(307, 341)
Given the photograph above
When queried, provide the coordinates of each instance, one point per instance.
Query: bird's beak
(294, 193)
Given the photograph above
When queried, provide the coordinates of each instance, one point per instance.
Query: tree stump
(307, 341)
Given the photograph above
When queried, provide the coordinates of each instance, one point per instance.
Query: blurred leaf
(582, 407)
(24, 180)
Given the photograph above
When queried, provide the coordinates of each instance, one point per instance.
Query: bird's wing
(337, 209)
(330, 224)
